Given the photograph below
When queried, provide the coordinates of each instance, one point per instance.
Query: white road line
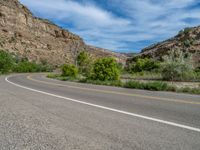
(108, 108)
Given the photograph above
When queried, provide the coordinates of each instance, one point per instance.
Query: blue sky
(119, 25)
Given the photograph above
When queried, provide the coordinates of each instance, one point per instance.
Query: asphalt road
(39, 113)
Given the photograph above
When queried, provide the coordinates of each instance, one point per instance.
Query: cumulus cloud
(80, 14)
(119, 25)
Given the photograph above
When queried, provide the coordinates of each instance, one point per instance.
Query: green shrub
(69, 71)
(6, 62)
(62, 78)
(52, 76)
(177, 72)
(65, 78)
(12, 63)
(180, 33)
(189, 90)
(177, 66)
(146, 75)
(187, 30)
(84, 63)
(157, 86)
(134, 84)
(98, 82)
(187, 43)
(197, 69)
(144, 64)
(154, 86)
(120, 67)
(82, 58)
(105, 69)
(26, 66)
(197, 73)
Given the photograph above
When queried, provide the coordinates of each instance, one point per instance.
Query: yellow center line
(118, 93)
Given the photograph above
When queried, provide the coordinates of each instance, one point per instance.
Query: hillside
(187, 40)
(38, 39)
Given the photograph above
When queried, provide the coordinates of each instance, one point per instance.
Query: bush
(52, 76)
(120, 67)
(82, 58)
(197, 73)
(62, 78)
(197, 69)
(187, 30)
(12, 63)
(187, 43)
(105, 69)
(134, 85)
(146, 75)
(177, 72)
(177, 67)
(6, 62)
(26, 66)
(145, 64)
(155, 86)
(69, 71)
(84, 63)
(180, 33)
(189, 90)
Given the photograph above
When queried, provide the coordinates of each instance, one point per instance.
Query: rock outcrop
(187, 40)
(38, 39)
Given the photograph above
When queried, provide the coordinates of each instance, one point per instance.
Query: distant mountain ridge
(39, 39)
(187, 40)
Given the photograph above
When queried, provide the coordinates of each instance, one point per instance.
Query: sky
(119, 25)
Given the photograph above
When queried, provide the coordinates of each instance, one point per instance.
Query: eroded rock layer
(38, 39)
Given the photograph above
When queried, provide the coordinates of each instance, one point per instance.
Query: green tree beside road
(6, 62)
(144, 64)
(11, 63)
(177, 66)
(69, 71)
(106, 69)
(84, 62)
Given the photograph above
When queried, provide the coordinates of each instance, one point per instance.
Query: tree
(106, 69)
(6, 62)
(69, 71)
(82, 58)
(177, 66)
(144, 64)
(83, 62)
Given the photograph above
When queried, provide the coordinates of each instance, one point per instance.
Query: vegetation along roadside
(143, 73)
(12, 63)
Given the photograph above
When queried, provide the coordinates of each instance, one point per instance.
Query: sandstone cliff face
(37, 39)
(187, 40)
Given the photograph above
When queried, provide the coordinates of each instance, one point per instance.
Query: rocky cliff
(37, 39)
(187, 40)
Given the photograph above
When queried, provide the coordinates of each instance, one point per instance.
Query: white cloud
(140, 20)
(73, 11)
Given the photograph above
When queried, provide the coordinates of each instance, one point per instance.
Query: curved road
(41, 113)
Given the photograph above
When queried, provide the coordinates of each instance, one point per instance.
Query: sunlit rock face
(187, 40)
(38, 39)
